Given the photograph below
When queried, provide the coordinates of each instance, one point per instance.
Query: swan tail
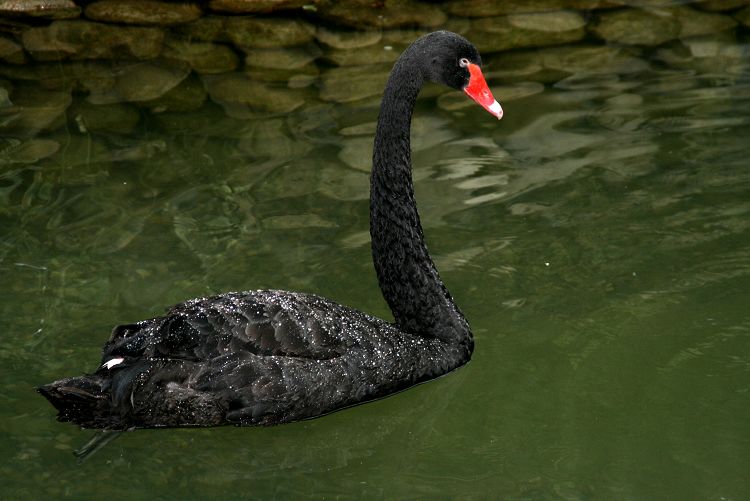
(83, 400)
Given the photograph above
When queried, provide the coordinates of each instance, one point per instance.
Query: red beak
(477, 90)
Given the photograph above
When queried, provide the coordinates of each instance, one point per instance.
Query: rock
(281, 59)
(142, 12)
(11, 52)
(255, 6)
(49, 9)
(268, 33)
(118, 118)
(346, 84)
(405, 36)
(87, 40)
(81, 76)
(235, 90)
(721, 5)
(694, 23)
(205, 29)
(15, 151)
(650, 3)
(87, 76)
(248, 32)
(381, 14)
(105, 82)
(94, 79)
(301, 81)
(34, 110)
(486, 8)
(494, 34)
(636, 26)
(339, 39)
(553, 22)
(203, 57)
(303, 74)
(188, 95)
(140, 82)
(373, 54)
(743, 16)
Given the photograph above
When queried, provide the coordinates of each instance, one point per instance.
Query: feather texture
(268, 357)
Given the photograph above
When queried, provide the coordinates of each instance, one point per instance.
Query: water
(597, 238)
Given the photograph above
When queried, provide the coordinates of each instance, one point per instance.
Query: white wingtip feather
(112, 362)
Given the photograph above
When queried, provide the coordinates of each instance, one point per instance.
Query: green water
(597, 238)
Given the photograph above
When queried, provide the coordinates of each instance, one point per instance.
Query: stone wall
(103, 65)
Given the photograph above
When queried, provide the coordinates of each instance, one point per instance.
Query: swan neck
(407, 275)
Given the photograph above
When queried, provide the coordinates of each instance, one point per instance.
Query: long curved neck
(408, 278)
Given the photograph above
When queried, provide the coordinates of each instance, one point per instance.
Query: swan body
(269, 357)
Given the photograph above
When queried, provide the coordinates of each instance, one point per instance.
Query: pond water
(597, 239)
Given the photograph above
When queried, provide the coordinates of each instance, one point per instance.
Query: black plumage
(268, 357)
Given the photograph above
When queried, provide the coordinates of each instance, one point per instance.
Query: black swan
(268, 357)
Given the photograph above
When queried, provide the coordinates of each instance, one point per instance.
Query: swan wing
(263, 323)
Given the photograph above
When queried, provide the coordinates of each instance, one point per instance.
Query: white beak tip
(496, 109)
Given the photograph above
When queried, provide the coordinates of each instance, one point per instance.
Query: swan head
(451, 60)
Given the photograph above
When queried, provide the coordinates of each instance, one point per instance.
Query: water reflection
(597, 238)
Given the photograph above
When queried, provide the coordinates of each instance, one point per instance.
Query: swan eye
(463, 62)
